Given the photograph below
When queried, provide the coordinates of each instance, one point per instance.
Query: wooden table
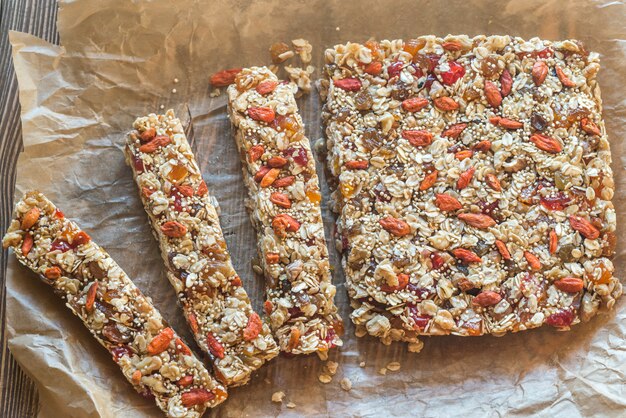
(18, 397)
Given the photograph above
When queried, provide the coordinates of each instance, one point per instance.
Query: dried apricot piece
(30, 218)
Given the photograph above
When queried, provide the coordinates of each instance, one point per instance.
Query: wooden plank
(18, 396)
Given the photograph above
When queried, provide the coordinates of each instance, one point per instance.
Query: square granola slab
(473, 184)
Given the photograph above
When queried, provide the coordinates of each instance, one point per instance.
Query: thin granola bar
(284, 202)
(185, 222)
(473, 183)
(152, 357)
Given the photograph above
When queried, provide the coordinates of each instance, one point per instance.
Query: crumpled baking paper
(119, 59)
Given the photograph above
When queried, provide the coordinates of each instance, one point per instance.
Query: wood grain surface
(18, 397)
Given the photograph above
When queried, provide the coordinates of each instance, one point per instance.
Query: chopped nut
(346, 384)
(303, 49)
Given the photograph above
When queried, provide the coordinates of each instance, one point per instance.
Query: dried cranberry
(177, 204)
(147, 394)
(455, 72)
(561, 319)
(330, 336)
(299, 155)
(421, 292)
(437, 260)
(61, 245)
(138, 163)
(489, 208)
(59, 214)
(418, 71)
(395, 68)
(421, 321)
(544, 53)
(555, 201)
(121, 351)
(294, 312)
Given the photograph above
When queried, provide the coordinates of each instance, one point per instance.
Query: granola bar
(186, 224)
(151, 355)
(473, 184)
(284, 203)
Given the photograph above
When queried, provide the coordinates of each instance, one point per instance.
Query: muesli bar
(151, 355)
(473, 183)
(284, 202)
(186, 224)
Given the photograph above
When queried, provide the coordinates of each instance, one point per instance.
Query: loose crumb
(215, 93)
(362, 364)
(162, 106)
(173, 90)
(303, 49)
(324, 378)
(332, 366)
(323, 355)
(346, 384)
(416, 347)
(394, 366)
(175, 80)
(383, 371)
(278, 396)
(291, 405)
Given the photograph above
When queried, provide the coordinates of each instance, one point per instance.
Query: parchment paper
(119, 60)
